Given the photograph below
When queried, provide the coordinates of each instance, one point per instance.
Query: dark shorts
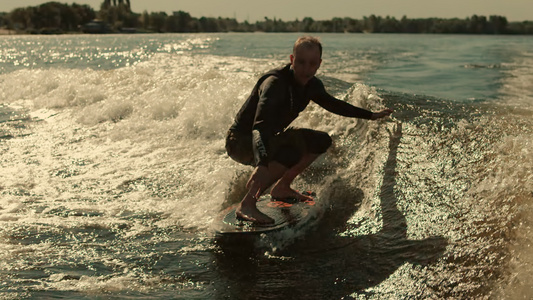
(287, 147)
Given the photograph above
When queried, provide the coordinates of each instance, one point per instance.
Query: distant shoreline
(8, 32)
(57, 18)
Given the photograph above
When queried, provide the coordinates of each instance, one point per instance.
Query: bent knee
(321, 143)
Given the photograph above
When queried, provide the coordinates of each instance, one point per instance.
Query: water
(113, 169)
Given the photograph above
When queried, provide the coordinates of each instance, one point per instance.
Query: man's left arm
(339, 107)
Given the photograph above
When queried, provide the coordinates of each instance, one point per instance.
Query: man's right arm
(271, 92)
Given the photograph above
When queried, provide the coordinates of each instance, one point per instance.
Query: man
(260, 135)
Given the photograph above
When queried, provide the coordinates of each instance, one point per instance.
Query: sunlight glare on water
(114, 168)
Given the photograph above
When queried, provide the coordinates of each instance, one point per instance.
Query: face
(305, 62)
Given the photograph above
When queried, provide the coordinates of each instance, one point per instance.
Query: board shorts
(287, 147)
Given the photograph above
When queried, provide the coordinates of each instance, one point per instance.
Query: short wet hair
(307, 42)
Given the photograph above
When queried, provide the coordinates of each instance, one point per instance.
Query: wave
(172, 110)
(137, 154)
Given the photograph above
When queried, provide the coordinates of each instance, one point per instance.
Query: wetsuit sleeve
(271, 93)
(336, 106)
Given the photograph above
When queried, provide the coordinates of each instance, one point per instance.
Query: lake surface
(113, 169)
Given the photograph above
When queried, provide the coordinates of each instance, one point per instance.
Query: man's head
(307, 42)
(306, 58)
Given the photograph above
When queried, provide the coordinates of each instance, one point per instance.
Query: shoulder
(277, 79)
(316, 85)
(273, 82)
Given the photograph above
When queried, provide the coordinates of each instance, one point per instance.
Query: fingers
(258, 193)
(387, 111)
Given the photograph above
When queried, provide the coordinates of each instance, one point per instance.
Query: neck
(298, 80)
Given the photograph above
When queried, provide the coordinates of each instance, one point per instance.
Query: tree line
(56, 17)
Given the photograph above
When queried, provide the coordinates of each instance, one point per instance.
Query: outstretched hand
(382, 114)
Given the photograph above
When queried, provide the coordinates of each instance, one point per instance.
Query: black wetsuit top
(276, 100)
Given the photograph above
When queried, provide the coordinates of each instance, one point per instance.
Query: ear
(292, 58)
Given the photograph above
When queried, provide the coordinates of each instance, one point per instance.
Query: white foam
(128, 152)
(162, 120)
(517, 85)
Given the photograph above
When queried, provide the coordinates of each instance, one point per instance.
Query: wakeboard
(287, 213)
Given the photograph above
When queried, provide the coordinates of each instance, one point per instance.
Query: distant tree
(371, 24)
(525, 27)
(477, 24)
(3, 19)
(20, 18)
(245, 27)
(390, 25)
(126, 3)
(157, 21)
(145, 19)
(457, 26)
(51, 15)
(208, 25)
(118, 15)
(326, 26)
(182, 21)
(338, 25)
(408, 25)
(307, 24)
(497, 24)
(120, 2)
(227, 24)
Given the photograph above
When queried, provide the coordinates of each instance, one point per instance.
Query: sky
(288, 10)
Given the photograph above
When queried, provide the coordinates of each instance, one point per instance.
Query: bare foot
(280, 191)
(252, 214)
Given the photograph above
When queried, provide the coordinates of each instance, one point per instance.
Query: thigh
(305, 140)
